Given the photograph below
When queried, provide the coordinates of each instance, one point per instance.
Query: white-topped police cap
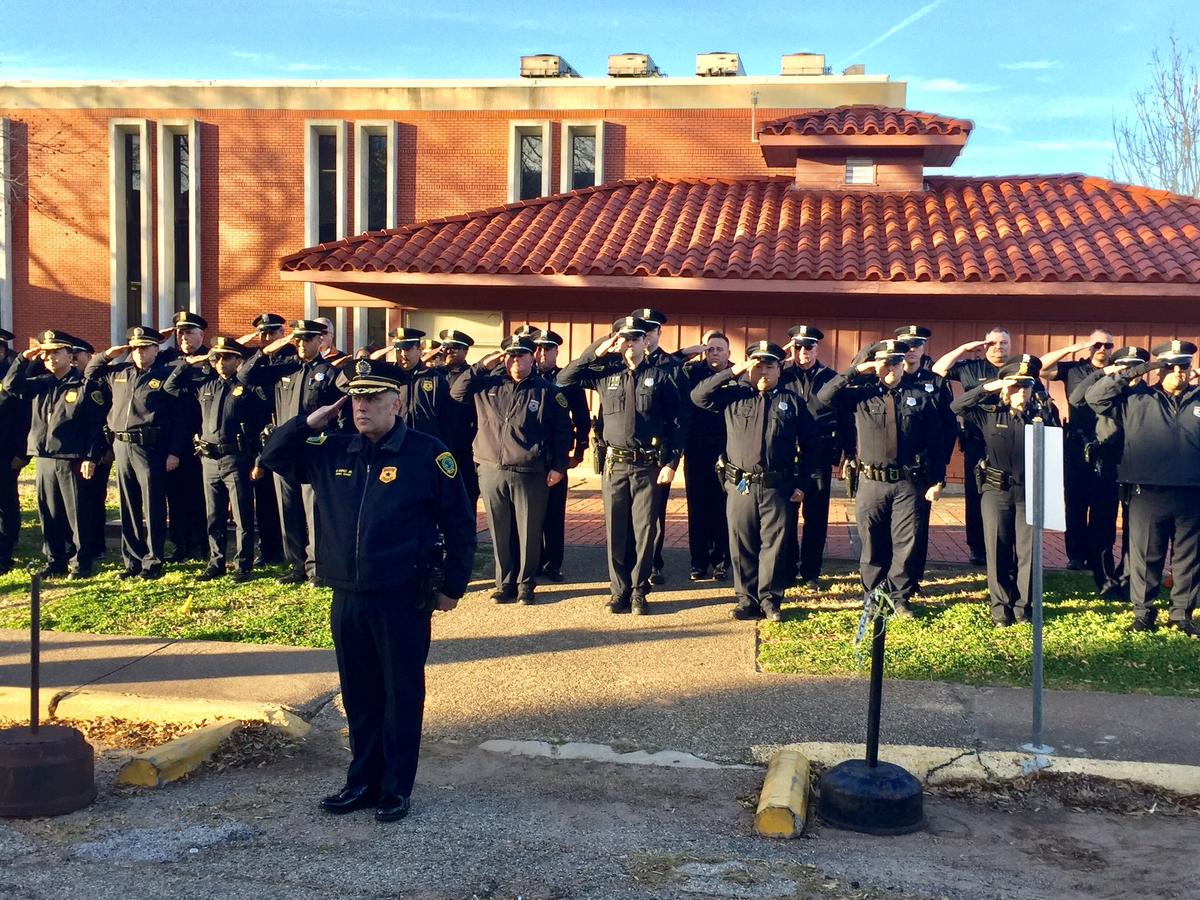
(143, 336)
(1175, 352)
(765, 350)
(653, 317)
(913, 333)
(407, 337)
(517, 343)
(1131, 356)
(372, 376)
(888, 350)
(805, 335)
(452, 338)
(631, 326)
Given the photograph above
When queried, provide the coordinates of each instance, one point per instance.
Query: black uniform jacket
(1161, 443)
(14, 416)
(300, 387)
(918, 425)
(706, 431)
(380, 506)
(836, 432)
(461, 424)
(523, 425)
(1003, 430)
(577, 407)
(640, 407)
(139, 402)
(1081, 426)
(765, 432)
(67, 418)
(926, 380)
(231, 412)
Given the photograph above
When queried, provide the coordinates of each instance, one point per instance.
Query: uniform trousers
(921, 550)
(470, 475)
(554, 527)
(1158, 517)
(757, 523)
(381, 642)
(185, 507)
(708, 531)
(972, 456)
(805, 549)
(10, 511)
(266, 520)
(142, 482)
(887, 529)
(1008, 541)
(631, 525)
(662, 493)
(297, 516)
(227, 484)
(93, 494)
(59, 486)
(515, 503)
(1091, 503)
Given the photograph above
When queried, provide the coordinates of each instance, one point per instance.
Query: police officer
(93, 494)
(1091, 500)
(546, 345)
(918, 373)
(66, 436)
(329, 352)
(460, 436)
(149, 440)
(302, 382)
(185, 504)
(767, 465)
(268, 327)
(1003, 407)
(14, 435)
(232, 416)
(521, 449)
(640, 407)
(672, 366)
(805, 374)
(970, 373)
(425, 403)
(704, 442)
(899, 459)
(384, 495)
(1160, 461)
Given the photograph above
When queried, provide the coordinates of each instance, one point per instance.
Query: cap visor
(370, 386)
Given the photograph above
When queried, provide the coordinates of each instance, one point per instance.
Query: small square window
(860, 171)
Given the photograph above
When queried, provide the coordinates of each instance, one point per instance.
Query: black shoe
(348, 799)
(6, 567)
(525, 595)
(1185, 626)
(771, 611)
(240, 576)
(619, 605)
(130, 573)
(53, 571)
(638, 605)
(269, 561)
(903, 611)
(720, 572)
(211, 573)
(392, 808)
(296, 576)
(506, 594)
(553, 574)
(977, 560)
(81, 573)
(1076, 565)
(657, 577)
(746, 611)
(697, 574)
(1142, 625)
(152, 573)
(812, 584)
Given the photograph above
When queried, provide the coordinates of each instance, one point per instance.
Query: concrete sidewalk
(682, 678)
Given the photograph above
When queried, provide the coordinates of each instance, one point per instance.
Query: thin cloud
(951, 86)
(1067, 146)
(1032, 65)
(899, 26)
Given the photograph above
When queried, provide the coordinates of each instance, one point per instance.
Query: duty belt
(633, 457)
(209, 450)
(734, 475)
(143, 437)
(997, 478)
(889, 473)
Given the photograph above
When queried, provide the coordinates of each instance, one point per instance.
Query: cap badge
(138, 332)
(362, 367)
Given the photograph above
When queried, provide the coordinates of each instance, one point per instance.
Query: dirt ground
(488, 825)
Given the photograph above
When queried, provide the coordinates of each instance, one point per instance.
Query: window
(324, 190)
(529, 161)
(327, 187)
(860, 171)
(130, 249)
(582, 156)
(178, 219)
(375, 146)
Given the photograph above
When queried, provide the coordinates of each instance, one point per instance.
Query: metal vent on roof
(632, 65)
(804, 64)
(546, 65)
(856, 69)
(719, 64)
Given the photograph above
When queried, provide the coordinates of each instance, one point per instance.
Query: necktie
(761, 421)
(889, 426)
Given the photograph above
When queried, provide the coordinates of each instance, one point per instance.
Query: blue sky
(1042, 80)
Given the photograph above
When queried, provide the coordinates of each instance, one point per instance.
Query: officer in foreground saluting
(770, 449)
(383, 497)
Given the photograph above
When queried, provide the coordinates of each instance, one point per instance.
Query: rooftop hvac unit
(803, 64)
(856, 69)
(631, 65)
(719, 64)
(546, 65)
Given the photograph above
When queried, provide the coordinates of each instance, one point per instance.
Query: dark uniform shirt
(523, 425)
(640, 407)
(1082, 422)
(67, 419)
(139, 403)
(381, 506)
(706, 432)
(1161, 433)
(460, 430)
(832, 429)
(300, 387)
(14, 416)
(971, 373)
(766, 431)
(1003, 429)
(903, 418)
(577, 407)
(924, 379)
(232, 414)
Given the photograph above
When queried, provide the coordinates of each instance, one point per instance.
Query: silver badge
(783, 406)
(649, 382)
(928, 388)
(1196, 411)
(911, 401)
(319, 376)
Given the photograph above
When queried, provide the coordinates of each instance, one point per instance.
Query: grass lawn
(952, 638)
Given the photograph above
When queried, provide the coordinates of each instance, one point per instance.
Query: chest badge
(387, 474)
(928, 387)
(783, 406)
(1196, 411)
(71, 396)
(238, 391)
(534, 406)
(427, 385)
(447, 465)
(911, 401)
(154, 384)
(614, 382)
(318, 376)
(561, 400)
(649, 382)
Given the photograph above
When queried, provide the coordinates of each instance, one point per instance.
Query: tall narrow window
(180, 194)
(375, 148)
(132, 181)
(177, 199)
(583, 161)
(377, 181)
(327, 188)
(582, 158)
(131, 269)
(376, 327)
(532, 162)
(528, 160)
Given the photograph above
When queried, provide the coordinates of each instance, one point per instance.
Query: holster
(852, 478)
(431, 581)
(599, 453)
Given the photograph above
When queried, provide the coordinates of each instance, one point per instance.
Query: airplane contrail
(899, 26)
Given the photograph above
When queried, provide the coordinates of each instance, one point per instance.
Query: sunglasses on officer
(1101, 345)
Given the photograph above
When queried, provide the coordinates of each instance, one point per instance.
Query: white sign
(1054, 516)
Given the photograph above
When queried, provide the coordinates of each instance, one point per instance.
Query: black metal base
(45, 774)
(885, 799)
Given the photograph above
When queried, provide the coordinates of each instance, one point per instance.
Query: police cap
(372, 376)
(451, 338)
(653, 317)
(54, 340)
(407, 337)
(1131, 356)
(547, 338)
(517, 343)
(888, 351)
(308, 328)
(1175, 352)
(6, 335)
(223, 346)
(805, 335)
(913, 335)
(269, 321)
(143, 336)
(1023, 369)
(78, 343)
(189, 320)
(632, 326)
(765, 351)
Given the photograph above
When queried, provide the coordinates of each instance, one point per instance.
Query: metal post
(875, 702)
(1038, 517)
(35, 650)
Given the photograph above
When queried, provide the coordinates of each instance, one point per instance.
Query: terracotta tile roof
(856, 120)
(1053, 228)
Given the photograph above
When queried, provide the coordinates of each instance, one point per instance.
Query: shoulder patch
(560, 400)
(447, 464)
(597, 367)
(317, 439)
(97, 398)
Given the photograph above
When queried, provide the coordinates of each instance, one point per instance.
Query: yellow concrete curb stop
(783, 802)
(174, 759)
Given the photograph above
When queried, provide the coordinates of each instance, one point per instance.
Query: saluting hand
(319, 418)
(342, 360)
(553, 477)
(196, 358)
(276, 345)
(608, 345)
(492, 360)
(969, 346)
(743, 367)
(116, 350)
(247, 338)
(30, 354)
